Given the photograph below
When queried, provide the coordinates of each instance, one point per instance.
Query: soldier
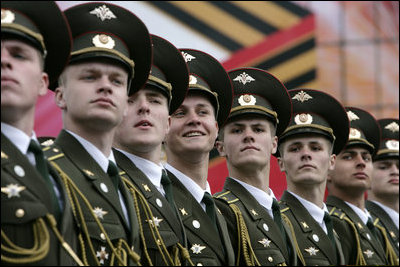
(317, 131)
(247, 140)
(347, 184)
(383, 196)
(35, 46)
(138, 143)
(110, 59)
(194, 128)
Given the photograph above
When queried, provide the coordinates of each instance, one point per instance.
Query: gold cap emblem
(244, 78)
(104, 41)
(352, 116)
(103, 13)
(192, 79)
(7, 16)
(392, 144)
(394, 127)
(302, 96)
(247, 100)
(187, 57)
(303, 118)
(354, 133)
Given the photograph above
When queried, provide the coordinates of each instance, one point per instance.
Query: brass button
(20, 213)
(103, 236)
(270, 259)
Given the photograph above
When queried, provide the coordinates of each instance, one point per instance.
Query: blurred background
(349, 49)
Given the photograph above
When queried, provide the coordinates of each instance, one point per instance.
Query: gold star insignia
(359, 225)
(146, 187)
(312, 250)
(102, 255)
(392, 234)
(12, 190)
(155, 221)
(4, 155)
(99, 212)
(305, 225)
(265, 242)
(196, 249)
(254, 212)
(88, 172)
(183, 211)
(369, 253)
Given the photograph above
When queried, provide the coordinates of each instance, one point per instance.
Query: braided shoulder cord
(72, 191)
(360, 258)
(289, 223)
(390, 253)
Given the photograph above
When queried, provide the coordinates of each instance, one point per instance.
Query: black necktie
(166, 183)
(41, 166)
(112, 171)
(210, 208)
(277, 217)
(329, 228)
(372, 227)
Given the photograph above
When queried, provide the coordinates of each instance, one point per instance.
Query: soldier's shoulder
(226, 197)
(337, 213)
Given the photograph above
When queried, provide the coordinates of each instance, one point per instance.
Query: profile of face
(147, 121)
(385, 178)
(22, 77)
(248, 142)
(193, 127)
(93, 94)
(306, 159)
(353, 170)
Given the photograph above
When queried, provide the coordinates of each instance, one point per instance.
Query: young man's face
(193, 127)
(93, 94)
(385, 178)
(22, 77)
(306, 160)
(248, 142)
(147, 121)
(353, 170)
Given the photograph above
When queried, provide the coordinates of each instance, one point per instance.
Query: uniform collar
(93, 151)
(316, 212)
(394, 215)
(18, 137)
(362, 214)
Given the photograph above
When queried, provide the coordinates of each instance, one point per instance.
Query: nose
(143, 106)
(5, 57)
(248, 135)
(104, 85)
(360, 162)
(193, 118)
(306, 153)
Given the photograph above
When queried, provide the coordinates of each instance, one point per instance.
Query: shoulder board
(227, 196)
(337, 213)
(51, 151)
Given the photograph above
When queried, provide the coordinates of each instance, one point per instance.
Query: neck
(313, 193)
(356, 198)
(153, 154)
(22, 121)
(257, 177)
(196, 170)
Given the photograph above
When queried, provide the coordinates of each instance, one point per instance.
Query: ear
(274, 144)
(168, 125)
(281, 164)
(332, 162)
(219, 145)
(60, 98)
(43, 84)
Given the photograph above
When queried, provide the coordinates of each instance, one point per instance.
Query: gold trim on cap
(163, 83)
(316, 126)
(384, 151)
(35, 35)
(362, 140)
(273, 113)
(112, 51)
(199, 86)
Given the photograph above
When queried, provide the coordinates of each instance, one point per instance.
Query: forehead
(248, 121)
(148, 92)
(196, 100)
(98, 66)
(16, 43)
(307, 140)
(355, 149)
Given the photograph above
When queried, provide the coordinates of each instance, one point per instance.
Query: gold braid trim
(38, 251)
(390, 253)
(289, 223)
(244, 241)
(167, 257)
(360, 258)
(185, 254)
(72, 191)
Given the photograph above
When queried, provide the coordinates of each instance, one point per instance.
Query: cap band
(37, 36)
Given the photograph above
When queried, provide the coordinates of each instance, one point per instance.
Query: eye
(178, 114)
(236, 130)
(294, 149)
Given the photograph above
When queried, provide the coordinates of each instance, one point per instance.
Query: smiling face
(306, 160)
(93, 94)
(146, 124)
(193, 128)
(248, 143)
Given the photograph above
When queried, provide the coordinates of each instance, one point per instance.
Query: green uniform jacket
(206, 246)
(99, 190)
(313, 242)
(20, 211)
(369, 247)
(265, 238)
(383, 219)
(170, 226)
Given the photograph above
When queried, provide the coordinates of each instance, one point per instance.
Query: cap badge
(392, 144)
(302, 96)
(247, 100)
(187, 56)
(303, 118)
(104, 41)
(352, 116)
(354, 133)
(192, 79)
(103, 12)
(394, 127)
(7, 16)
(244, 78)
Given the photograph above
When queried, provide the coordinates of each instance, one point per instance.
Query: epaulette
(285, 208)
(52, 152)
(227, 196)
(337, 213)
